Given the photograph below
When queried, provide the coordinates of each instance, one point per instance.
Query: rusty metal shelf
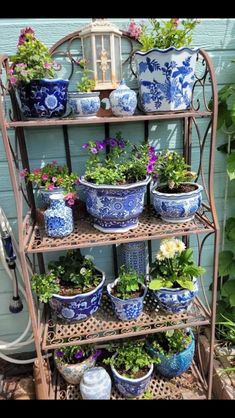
(85, 235)
(105, 326)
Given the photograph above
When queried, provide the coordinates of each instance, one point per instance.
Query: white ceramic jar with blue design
(72, 373)
(58, 218)
(96, 384)
(166, 78)
(84, 104)
(133, 256)
(123, 100)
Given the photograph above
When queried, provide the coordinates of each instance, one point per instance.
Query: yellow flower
(168, 248)
(180, 246)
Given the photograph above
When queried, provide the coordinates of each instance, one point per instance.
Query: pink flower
(36, 171)
(175, 22)
(71, 202)
(23, 33)
(13, 80)
(54, 162)
(23, 172)
(45, 177)
(54, 179)
(51, 187)
(69, 196)
(47, 65)
(134, 30)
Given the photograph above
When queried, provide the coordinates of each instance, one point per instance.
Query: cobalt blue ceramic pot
(78, 307)
(133, 256)
(177, 207)
(115, 208)
(126, 309)
(84, 104)
(58, 217)
(176, 364)
(44, 98)
(166, 78)
(45, 194)
(123, 100)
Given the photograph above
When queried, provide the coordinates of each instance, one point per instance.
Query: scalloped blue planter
(166, 78)
(45, 98)
(176, 364)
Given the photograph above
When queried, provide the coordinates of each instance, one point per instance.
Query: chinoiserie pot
(176, 300)
(133, 256)
(176, 364)
(123, 100)
(115, 208)
(58, 217)
(177, 207)
(78, 307)
(96, 384)
(45, 194)
(84, 104)
(131, 388)
(166, 78)
(126, 309)
(43, 98)
(73, 373)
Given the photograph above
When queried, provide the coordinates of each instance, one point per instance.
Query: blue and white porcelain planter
(84, 104)
(96, 384)
(177, 207)
(115, 208)
(126, 309)
(73, 373)
(176, 300)
(166, 78)
(45, 98)
(176, 364)
(133, 256)
(131, 388)
(58, 218)
(78, 307)
(123, 100)
(45, 194)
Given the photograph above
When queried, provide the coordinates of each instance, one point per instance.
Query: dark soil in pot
(183, 188)
(133, 295)
(68, 288)
(141, 373)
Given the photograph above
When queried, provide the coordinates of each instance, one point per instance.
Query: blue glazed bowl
(176, 364)
(79, 307)
(127, 309)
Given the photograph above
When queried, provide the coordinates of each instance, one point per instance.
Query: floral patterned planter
(123, 100)
(45, 194)
(45, 98)
(133, 255)
(175, 365)
(115, 208)
(177, 207)
(78, 307)
(84, 104)
(166, 78)
(127, 309)
(73, 373)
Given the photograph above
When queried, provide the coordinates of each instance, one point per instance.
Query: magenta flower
(51, 187)
(45, 177)
(94, 150)
(85, 146)
(13, 80)
(54, 162)
(36, 171)
(71, 202)
(23, 33)
(150, 168)
(47, 65)
(23, 172)
(69, 195)
(134, 30)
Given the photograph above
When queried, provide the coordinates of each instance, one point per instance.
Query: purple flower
(94, 150)
(121, 143)
(152, 159)
(85, 146)
(97, 354)
(54, 162)
(59, 354)
(79, 354)
(100, 145)
(150, 168)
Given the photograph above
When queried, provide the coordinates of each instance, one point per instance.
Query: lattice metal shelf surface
(159, 388)
(85, 235)
(105, 326)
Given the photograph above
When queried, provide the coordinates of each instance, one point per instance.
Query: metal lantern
(101, 45)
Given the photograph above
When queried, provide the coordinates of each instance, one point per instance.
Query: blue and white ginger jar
(133, 256)
(84, 104)
(166, 78)
(123, 100)
(58, 218)
(96, 384)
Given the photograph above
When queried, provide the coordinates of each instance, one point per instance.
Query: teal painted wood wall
(217, 36)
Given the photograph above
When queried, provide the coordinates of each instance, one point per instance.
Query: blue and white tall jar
(133, 256)
(123, 100)
(166, 78)
(58, 218)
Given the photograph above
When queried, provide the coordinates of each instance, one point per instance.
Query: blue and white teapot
(123, 100)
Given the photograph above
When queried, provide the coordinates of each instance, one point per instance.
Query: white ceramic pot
(96, 384)
(84, 104)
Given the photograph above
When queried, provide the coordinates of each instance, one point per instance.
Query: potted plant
(84, 102)
(73, 361)
(53, 178)
(127, 294)
(73, 286)
(175, 350)
(32, 72)
(165, 63)
(175, 198)
(115, 185)
(131, 367)
(174, 276)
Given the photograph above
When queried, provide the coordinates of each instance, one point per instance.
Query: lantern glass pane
(106, 39)
(98, 46)
(117, 58)
(87, 51)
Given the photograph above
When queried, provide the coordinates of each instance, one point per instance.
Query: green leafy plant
(75, 354)
(171, 342)
(119, 166)
(86, 84)
(162, 34)
(32, 59)
(174, 266)
(129, 282)
(170, 168)
(52, 175)
(45, 285)
(130, 358)
(226, 328)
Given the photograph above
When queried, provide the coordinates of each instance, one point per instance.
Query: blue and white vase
(123, 100)
(132, 388)
(133, 256)
(115, 208)
(176, 364)
(72, 373)
(44, 98)
(177, 207)
(176, 300)
(126, 309)
(45, 194)
(78, 307)
(166, 78)
(58, 218)
(84, 104)
(96, 384)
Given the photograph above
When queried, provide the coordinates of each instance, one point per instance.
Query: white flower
(160, 256)
(83, 271)
(89, 257)
(168, 248)
(180, 246)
